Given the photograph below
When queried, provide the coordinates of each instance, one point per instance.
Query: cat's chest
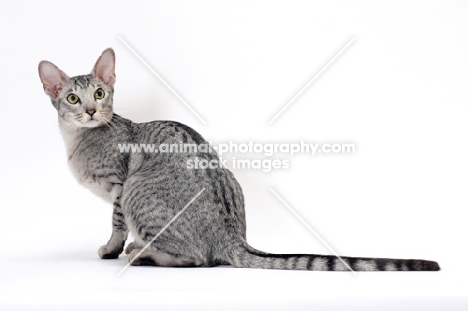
(88, 178)
(95, 166)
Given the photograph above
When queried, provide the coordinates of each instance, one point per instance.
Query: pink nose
(91, 112)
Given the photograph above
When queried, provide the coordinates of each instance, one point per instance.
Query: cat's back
(166, 132)
(162, 146)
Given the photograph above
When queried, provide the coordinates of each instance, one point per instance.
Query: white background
(398, 92)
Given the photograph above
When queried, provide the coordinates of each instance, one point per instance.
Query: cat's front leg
(115, 245)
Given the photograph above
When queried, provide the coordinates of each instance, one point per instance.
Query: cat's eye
(99, 94)
(73, 99)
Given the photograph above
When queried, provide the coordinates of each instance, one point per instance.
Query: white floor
(77, 279)
(50, 238)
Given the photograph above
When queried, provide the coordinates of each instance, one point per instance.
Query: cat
(148, 189)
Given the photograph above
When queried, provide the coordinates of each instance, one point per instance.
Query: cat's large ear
(52, 78)
(105, 67)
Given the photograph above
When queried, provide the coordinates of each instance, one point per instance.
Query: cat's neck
(117, 129)
(72, 134)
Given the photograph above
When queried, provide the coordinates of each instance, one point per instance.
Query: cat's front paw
(109, 252)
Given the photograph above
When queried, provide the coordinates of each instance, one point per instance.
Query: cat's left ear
(104, 68)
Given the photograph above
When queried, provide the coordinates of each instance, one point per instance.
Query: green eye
(73, 99)
(99, 94)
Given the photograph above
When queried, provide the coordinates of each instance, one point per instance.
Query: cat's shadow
(78, 255)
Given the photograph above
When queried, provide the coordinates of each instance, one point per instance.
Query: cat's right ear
(53, 79)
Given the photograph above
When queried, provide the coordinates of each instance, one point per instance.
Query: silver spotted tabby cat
(148, 189)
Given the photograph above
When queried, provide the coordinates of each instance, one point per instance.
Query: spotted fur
(148, 189)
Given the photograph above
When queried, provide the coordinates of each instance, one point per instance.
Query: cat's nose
(91, 112)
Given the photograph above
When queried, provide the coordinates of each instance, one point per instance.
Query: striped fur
(248, 257)
(148, 189)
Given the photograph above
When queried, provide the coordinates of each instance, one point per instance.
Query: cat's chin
(92, 123)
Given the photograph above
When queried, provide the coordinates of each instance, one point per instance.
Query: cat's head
(82, 101)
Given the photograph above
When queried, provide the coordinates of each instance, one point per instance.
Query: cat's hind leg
(151, 257)
(133, 245)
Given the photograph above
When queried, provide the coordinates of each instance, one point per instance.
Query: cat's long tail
(245, 256)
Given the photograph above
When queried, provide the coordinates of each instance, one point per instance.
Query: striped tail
(245, 256)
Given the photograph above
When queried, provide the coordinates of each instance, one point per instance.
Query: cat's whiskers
(67, 125)
(71, 124)
(112, 126)
(118, 117)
